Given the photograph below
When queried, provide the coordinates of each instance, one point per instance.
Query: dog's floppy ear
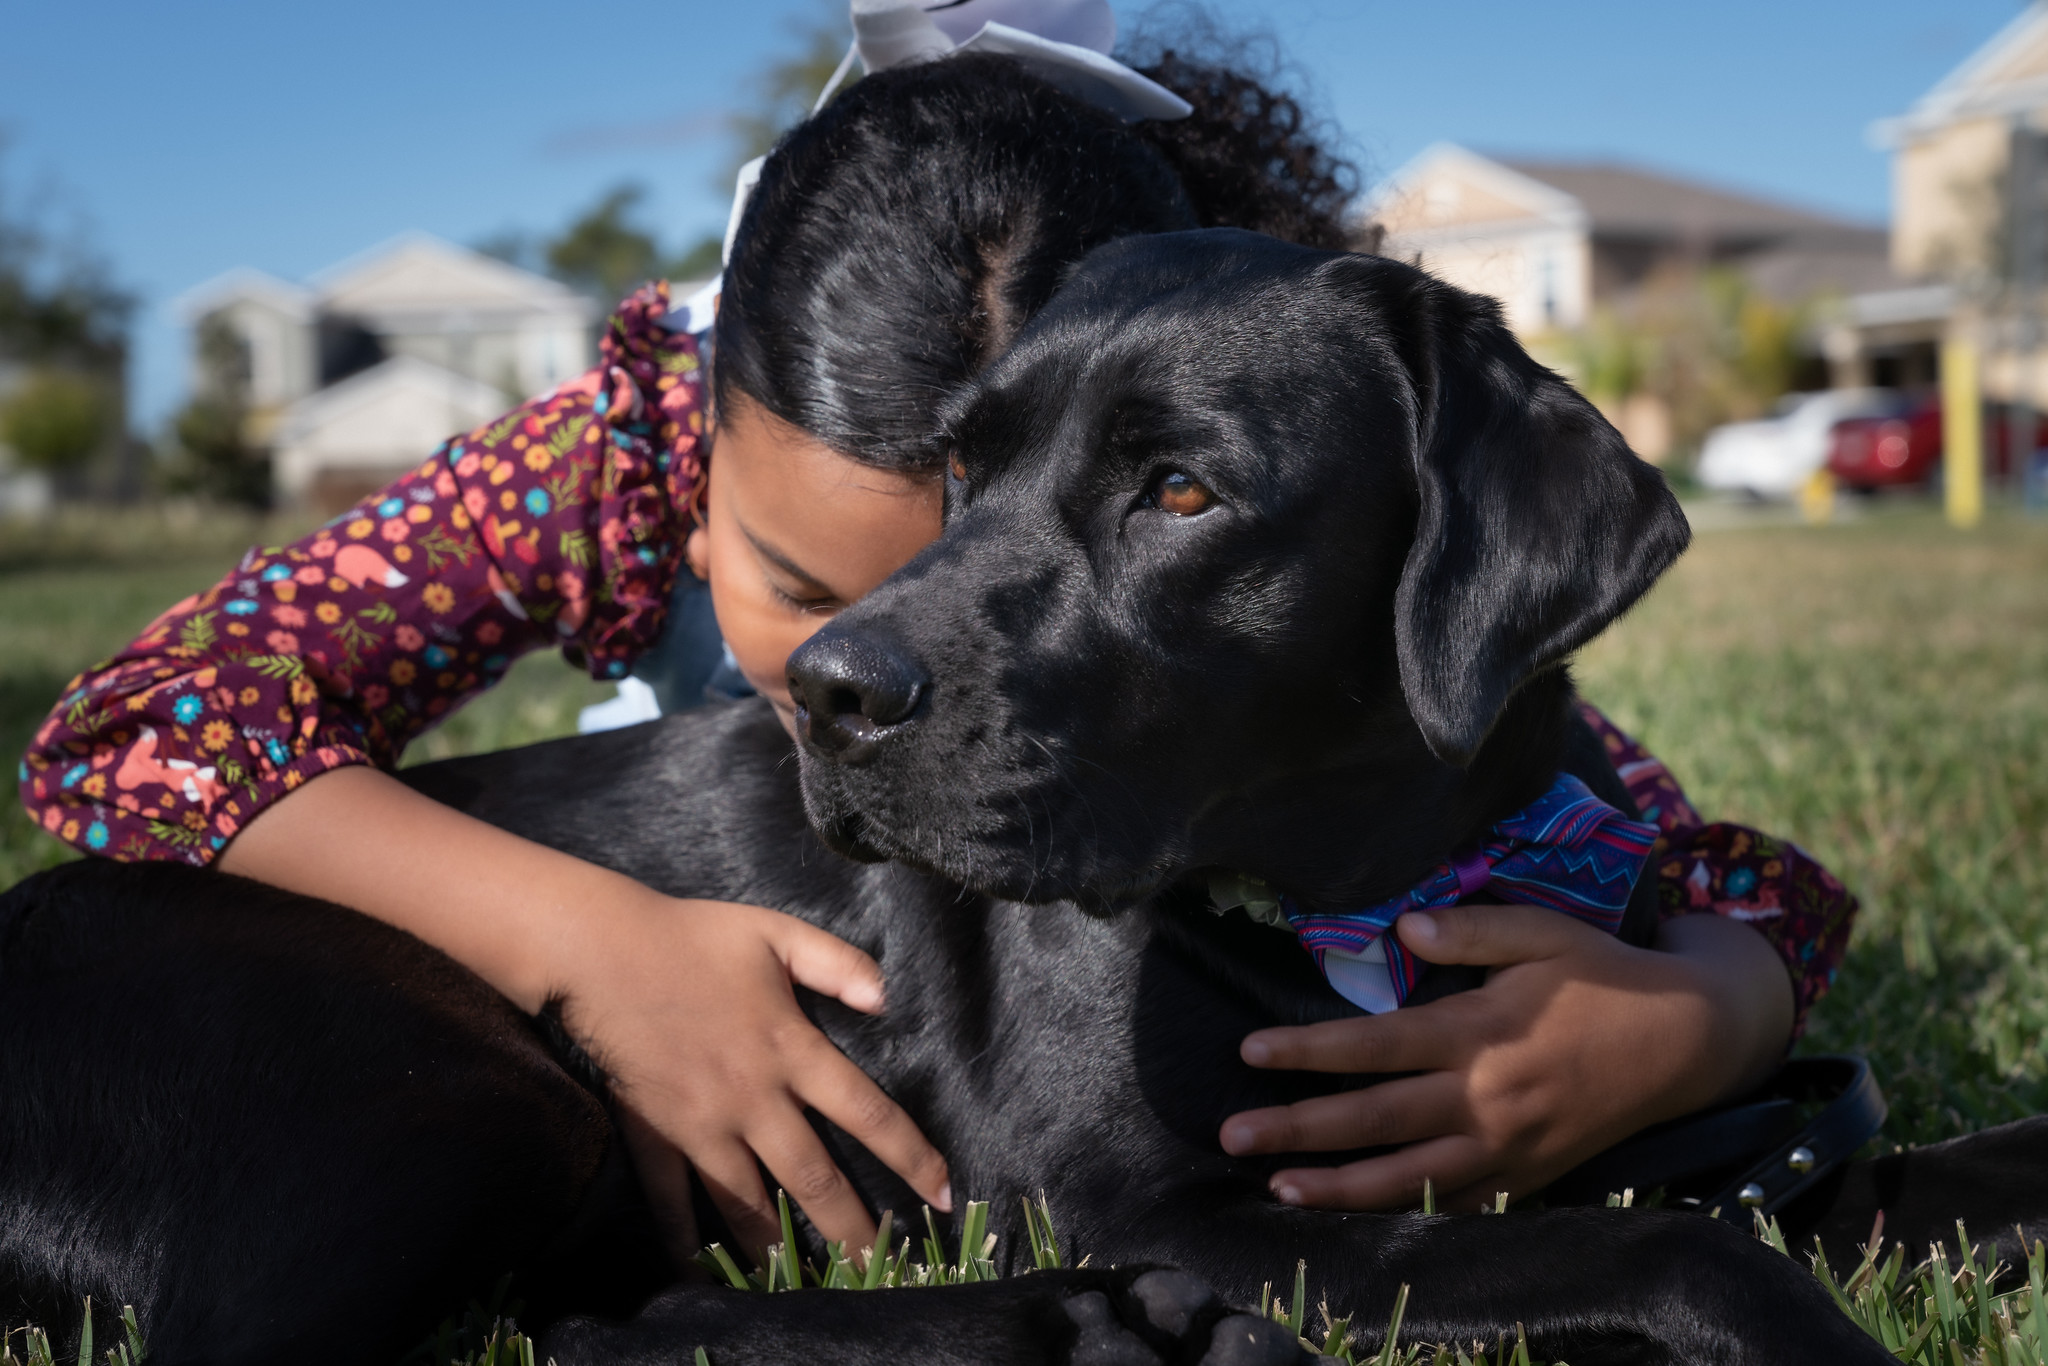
(1536, 524)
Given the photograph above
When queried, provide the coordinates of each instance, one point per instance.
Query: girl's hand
(688, 1006)
(1575, 1042)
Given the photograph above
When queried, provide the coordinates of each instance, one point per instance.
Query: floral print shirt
(561, 523)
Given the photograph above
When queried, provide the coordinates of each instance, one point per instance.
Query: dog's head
(1254, 558)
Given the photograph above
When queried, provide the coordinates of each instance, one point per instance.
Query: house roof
(1628, 201)
(2007, 75)
(1449, 191)
(1610, 199)
(417, 277)
(243, 283)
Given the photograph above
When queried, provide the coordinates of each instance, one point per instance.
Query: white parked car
(1773, 457)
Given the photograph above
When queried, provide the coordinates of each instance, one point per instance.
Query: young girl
(894, 244)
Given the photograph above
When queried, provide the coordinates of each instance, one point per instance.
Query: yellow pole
(1962, 432)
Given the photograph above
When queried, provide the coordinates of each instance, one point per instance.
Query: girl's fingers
(665, 1176)
(829, 965)
(1401, 1111)
(842, 1093)
(1413, 1039)
(1452, 1162)
(732, 1179)
(800, 1164)
(1489, 936)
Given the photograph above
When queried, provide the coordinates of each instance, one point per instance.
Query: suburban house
(354, 376)
(1557, 241)
(1969, 227)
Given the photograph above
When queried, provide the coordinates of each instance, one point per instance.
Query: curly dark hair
(1250, 156)
(898, 239)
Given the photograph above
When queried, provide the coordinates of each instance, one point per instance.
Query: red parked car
(1885, 452)
(1875, 452)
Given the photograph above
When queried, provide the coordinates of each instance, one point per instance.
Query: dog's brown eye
(955, 466)
(1182, 495)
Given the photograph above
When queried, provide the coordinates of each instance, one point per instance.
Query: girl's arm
(1771, 885)
(1576, 1040)
(685, 1004)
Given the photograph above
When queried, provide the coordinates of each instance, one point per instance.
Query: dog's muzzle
(852, 693)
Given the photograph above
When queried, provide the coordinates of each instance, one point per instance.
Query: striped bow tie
(1567, 850)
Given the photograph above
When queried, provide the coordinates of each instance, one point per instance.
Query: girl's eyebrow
(782, 561)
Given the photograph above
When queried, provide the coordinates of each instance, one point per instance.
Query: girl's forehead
(845, 524)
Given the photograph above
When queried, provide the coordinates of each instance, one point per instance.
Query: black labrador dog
(1257, 558)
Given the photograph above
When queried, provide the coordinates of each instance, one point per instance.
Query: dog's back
(270, 1124)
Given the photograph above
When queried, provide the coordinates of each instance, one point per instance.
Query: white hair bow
(1064, 42)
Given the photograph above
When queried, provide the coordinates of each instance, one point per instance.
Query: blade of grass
(878, 1255)
(133, 1330)
(972, 1229)
(1389, 1352)
(792, 1269)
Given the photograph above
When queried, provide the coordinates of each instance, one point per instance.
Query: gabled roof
(2008, 75)
(417, 274)
(1500, 195)
(1608, 198)
(243, 283)
(1628, 201)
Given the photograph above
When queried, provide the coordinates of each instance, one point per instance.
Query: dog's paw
(1104, 1339)
(1248, 1340)
(1167, 1316)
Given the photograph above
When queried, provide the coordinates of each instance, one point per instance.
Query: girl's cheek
(761, 634)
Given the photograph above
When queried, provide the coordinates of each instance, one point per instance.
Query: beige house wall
(1528, 271)
(1946, 200)
(2006, 374)
(1485, 228)
(1447, 199)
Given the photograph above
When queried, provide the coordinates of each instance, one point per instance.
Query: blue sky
(180, 140)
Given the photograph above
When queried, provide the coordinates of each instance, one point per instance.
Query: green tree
(605, 251)
(212, 455)
(1704, 341)
(62, 319)
(58, 303)
(56, 420)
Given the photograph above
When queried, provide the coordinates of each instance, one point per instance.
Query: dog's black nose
(850, 690)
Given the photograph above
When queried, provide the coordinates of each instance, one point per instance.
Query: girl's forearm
(1744, 977)
(512, 911)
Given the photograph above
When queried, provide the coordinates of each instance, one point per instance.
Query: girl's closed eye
(801, 602)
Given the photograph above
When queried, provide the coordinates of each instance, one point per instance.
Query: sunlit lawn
(1876, 690)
